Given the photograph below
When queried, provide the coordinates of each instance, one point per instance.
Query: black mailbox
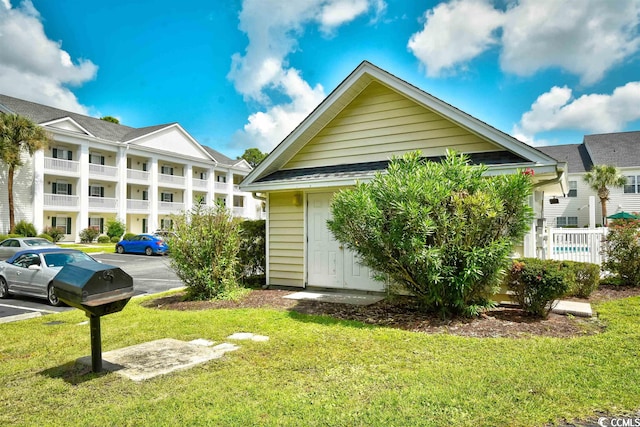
(97, 289)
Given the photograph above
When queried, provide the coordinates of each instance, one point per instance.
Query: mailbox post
(98, 290)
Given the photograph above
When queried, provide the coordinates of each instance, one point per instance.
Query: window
(96, 191)
(97, 224)
(144, 225)
(166, 197)
(96, 158)
(202, 175)
(61, 153)
(166, 170)
(221, 178)
(166, 224)
(145, 195)
(144, 167)
(573, 189)
(61, 188)
(62, 223)
(567, 221)
(631, 185)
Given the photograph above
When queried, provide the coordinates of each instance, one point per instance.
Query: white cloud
(454, 33)
(586, 38)
(592, 113)
(34, 67)
(272, 27)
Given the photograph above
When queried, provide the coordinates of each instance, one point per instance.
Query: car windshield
(37, 242)
(64, 258)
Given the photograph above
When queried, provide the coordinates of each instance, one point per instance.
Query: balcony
(221, 186)
(170, 207)
(103, 171)
(238, 211)
(236, 188)
(105, 204)
(61, 201)
(200, 183)
(137, 206)
(137, 175)
(171, 179)
(60, 165)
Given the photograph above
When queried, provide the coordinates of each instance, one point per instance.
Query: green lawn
(90, 248)
(316, 371)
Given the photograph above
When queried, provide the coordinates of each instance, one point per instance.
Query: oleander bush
(55, 233)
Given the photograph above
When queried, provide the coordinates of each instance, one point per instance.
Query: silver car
(9, 247)
(31, 272)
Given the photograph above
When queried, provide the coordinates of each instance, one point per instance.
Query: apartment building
(96, 170)
(621, 150)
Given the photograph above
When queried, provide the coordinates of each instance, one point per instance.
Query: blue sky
(243, 73)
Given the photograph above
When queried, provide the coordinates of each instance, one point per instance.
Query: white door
(330, 265)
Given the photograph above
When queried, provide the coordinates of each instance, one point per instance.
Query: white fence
(576, 244)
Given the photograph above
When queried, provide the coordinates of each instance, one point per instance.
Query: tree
(110, 119)
(18, 135)
(442, 230)
(253, 156)
(600, 178)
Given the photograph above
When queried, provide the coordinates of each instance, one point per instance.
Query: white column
(530, 237)
(38, 191)
(211, 187)
(188, 196)
(592, 211)
(82, 220)
(121, 186)
(153, 196)
(229, 189)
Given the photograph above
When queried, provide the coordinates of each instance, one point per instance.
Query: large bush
(115, 228)
(441, 229)
(252, 253)
(25, 229)
(55, 233)
(622, 251)
(204, 252)
(88, 235)
(582, 278)
(536, 284)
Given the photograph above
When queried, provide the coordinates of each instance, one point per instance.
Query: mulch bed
(403, 313)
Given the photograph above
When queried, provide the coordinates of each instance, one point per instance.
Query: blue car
(147, 244)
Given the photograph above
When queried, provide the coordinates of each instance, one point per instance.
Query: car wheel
(148, 251)
(52, 298)
(4, 288)
(120, 249)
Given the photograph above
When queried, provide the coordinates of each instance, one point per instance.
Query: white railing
(138, 175)
(238, 211)
(171, 207)
(102, 170)
(221, 186)
(576, 244)
(61, 165)
(199, 183)
(61, 201)
(171, 179)
(103, 203)
(137, 205)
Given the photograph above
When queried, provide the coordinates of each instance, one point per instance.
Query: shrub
(442, 231)
(115, 239)
(88, 235)
(55, 233)
(536, 284)
(115, 228)
(45, 236)
(204, 252)
(9, 236)
(104, 239)
(252, 254)
(622, 251)
(25, 229)
(127, 236)
(582, 278)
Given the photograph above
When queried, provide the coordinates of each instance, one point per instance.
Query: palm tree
(18, 135)
(600, 178)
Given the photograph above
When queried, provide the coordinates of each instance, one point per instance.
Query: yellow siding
(286, 240)
(381, 123)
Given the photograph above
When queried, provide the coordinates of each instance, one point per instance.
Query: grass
(90, 248)
(317, 371)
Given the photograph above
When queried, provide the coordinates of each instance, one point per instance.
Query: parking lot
(151, 274)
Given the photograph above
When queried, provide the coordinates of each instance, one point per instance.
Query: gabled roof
(224, 160)
(350, 88)
(575, 155)
(620, 149)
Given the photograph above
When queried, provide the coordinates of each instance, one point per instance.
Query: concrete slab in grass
(150, 359)
(575, 308)
(338, 297)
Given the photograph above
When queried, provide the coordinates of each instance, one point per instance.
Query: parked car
(9, 247)
(147, 244)
(31, 272)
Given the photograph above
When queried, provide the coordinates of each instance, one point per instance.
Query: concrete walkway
(574, 308)
(336, 297)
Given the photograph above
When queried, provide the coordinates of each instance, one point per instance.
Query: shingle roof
(220, 158)
(575, 155)
(620, 149)
(358, 170)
